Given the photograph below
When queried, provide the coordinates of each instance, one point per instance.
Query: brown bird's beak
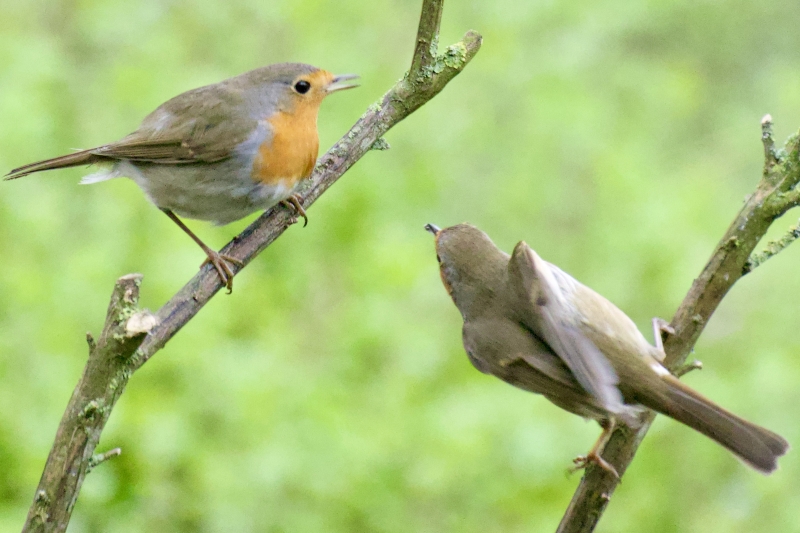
(433, 228)
(338, 85)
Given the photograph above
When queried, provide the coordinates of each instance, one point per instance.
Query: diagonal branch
(115, 357)
(775, 194)
(408, 95)
(103, 380)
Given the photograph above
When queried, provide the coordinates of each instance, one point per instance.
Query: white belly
(218, 192)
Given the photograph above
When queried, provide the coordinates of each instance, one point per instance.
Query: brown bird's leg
(662, 326)
(216, 259)
(296, 202)
(582, 461)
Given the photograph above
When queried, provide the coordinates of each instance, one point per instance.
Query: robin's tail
(84, 157)
(756, 446)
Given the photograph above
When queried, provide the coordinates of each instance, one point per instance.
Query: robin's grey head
(295, 85)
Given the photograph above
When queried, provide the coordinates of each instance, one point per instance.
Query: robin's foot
(582, 461)
(220, 263)
(688, 367)
(296, 203)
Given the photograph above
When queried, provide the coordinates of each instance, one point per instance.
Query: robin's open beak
(337, 84)
(433, 228)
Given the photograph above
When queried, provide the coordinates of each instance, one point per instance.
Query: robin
(222, 151)
(534, 326)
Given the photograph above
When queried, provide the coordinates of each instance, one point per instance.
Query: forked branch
(775, 194)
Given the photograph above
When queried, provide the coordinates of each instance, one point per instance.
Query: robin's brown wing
(549, 316)
(203, 125)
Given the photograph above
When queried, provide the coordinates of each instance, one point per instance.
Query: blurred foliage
(330, 392)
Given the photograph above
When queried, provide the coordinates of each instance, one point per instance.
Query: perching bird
(222, 151)
(534, 326)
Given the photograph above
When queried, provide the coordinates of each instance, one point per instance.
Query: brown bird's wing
(611, 330)
(194, 127)
(549, 315)
(507, 350)
(492, 343)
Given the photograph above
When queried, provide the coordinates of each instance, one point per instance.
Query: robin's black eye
(302, 86)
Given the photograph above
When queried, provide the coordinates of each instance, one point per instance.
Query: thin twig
(100, 458)
(110, 366)
(772, 249)
(767, 138)
(773, 196)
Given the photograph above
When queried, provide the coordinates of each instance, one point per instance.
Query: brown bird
(222, 151)
(534, 326)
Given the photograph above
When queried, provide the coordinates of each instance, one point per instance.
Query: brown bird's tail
(756, 446)
(84, 157)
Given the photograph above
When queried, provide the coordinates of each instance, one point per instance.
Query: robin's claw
(231, 259)
(295, 202)
(220, 263)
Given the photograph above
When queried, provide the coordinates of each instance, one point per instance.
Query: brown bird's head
(472, 268)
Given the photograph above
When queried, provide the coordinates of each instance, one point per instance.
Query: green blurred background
(330, 391)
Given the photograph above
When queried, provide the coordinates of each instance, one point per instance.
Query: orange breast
(291, 153)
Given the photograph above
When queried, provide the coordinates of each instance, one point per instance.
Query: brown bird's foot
(688, 367)
(296, 202)
(583, 461)
(593, 457)
(220, 263)
(661, 329)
